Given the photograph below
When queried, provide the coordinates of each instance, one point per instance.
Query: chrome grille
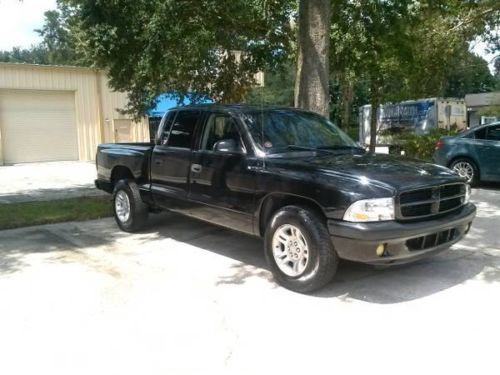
(432, 201)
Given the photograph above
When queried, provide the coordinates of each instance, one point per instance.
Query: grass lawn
(36, 213)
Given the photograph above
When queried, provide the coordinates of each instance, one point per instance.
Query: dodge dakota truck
(293, 178)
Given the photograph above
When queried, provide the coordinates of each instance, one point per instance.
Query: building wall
(96, 105)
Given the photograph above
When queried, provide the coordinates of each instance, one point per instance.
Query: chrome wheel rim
(464, 170)
(290, 250)
(122, 206)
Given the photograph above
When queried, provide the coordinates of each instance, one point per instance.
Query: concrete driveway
(188, 297)
(47, 181)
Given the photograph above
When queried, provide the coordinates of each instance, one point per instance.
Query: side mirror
(227, 146)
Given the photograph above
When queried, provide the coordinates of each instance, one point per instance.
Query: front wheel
(130, 211)
(466, 169)
(299, 251)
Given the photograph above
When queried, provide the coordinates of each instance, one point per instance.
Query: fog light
(380, 250)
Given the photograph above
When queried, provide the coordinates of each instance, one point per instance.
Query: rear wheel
(130, 211)
(299, 251)
(467, 169)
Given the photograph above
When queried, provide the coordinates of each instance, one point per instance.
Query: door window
(493, 133)
(220, 127)
(183, 128)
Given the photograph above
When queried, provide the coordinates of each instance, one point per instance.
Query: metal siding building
(60, 113)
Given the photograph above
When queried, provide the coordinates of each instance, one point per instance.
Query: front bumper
(403, 242)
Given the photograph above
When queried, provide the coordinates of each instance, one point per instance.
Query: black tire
(323, 260)
(475, 178)
(138, 209)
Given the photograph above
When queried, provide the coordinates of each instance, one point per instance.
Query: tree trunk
(312, 82)
(375, 103)
(346, 100)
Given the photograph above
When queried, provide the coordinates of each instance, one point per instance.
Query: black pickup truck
(294, 178)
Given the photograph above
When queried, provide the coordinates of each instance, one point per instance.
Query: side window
(493, 133)
(219, 127)
(480, 134)
(164, 129)
(183, 129)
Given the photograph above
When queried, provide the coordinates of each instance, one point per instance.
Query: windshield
(277, 131)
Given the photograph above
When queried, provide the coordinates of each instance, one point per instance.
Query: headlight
(467, 194)
(371, 210)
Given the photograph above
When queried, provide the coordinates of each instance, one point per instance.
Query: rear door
(488, 152)
(171, 159)
(222, 184)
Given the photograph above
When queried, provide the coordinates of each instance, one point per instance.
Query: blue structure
(164, 103)
(167, 101)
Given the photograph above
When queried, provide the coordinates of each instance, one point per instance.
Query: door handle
(158, 162)
(196, 168)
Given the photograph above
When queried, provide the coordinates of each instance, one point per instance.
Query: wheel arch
(120, 172)
(274, 201)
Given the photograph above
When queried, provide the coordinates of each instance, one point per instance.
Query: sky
(18, 19)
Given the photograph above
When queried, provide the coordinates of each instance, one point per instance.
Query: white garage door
(38, 126)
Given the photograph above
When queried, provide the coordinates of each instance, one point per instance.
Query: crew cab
(293, 178)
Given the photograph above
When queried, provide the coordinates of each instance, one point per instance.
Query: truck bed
(134, 156)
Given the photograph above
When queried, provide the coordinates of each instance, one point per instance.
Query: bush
(421, 146)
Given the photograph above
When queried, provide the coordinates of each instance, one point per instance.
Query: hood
(387, 170)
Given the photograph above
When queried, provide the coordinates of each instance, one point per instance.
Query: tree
(57, 46)
(33, 55)
(312, 78)
(370, 41)
(402, 49)
(208, 47)
(278, 88)
(469, 75)
(58, 37)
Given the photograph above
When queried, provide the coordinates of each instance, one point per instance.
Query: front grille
(436, 200)
(432, 240)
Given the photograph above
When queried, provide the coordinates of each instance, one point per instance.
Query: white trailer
(419, 116)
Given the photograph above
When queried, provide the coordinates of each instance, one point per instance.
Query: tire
(322, 261)
(127, 192)
(464, 165)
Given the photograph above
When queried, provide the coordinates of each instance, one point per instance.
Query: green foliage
(353, 133)
(421, 146)
(278, 88)
(57, 46)
(468, 74)
(58, 37)
(492, 111)
(38, 213)
(33, 55)
(150, 47)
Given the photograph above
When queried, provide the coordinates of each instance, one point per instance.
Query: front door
(171, 160)
(222, 184)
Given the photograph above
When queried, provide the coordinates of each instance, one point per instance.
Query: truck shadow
(353, 280)
(472, 259)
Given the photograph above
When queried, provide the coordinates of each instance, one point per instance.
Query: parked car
(293, 178)
(473, 154)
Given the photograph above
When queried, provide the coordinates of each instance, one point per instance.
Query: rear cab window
(179, 129)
